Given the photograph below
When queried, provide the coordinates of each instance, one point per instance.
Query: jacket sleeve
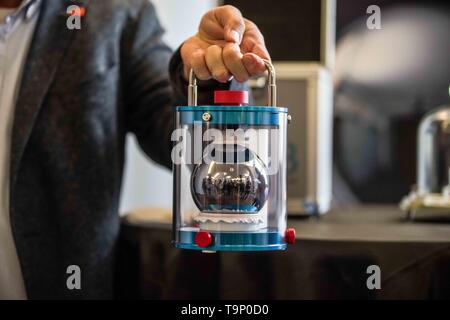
(153, 85)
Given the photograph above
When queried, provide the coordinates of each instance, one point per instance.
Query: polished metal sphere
(234, 181)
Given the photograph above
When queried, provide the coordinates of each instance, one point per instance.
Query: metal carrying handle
(271, 86)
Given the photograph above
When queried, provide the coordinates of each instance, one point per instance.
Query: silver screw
(206, 117)
(289, 118)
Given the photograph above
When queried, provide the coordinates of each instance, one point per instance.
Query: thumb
(230, 18)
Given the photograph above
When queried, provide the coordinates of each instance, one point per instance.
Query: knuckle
(220, 73)
(229, 52)
(197, 56)
(202, 74)
(231, 8)
(213, 49)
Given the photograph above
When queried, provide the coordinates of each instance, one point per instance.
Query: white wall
(146, 184)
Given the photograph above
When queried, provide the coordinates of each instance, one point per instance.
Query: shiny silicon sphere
(235, 181)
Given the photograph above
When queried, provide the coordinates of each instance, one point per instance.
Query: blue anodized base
(234, 241)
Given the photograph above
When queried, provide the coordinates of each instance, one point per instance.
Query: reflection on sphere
(235, 181)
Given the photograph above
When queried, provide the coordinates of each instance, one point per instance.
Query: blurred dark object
(329, 261)
(291, 28)
(385, 81)
(341, 277)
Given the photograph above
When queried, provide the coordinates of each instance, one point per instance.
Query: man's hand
(226, 45)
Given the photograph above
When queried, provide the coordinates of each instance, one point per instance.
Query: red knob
(230, 97)
(203, 239)
(290, 236)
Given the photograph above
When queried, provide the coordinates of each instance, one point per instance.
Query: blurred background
(384, 82)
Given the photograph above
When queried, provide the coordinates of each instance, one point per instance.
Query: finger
(216, 64)
(210, 29)
(254, 64)
(253, 41)
(198, 63)
(260, 50)
(230, 18)
(232, 58)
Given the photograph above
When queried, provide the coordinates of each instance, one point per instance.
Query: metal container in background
(434, 152)
(431, 196)
(307, 90)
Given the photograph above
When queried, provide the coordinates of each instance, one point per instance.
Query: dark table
(329, 260)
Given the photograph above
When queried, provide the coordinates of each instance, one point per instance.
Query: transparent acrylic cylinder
(230, 177)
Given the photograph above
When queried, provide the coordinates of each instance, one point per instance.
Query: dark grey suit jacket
(82, 91)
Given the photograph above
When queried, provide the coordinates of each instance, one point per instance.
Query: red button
(203, 239)
(290, 235)
(230, 97)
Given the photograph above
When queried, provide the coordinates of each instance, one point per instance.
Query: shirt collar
(26, 10)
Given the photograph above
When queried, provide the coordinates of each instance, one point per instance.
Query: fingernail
(235, 35)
